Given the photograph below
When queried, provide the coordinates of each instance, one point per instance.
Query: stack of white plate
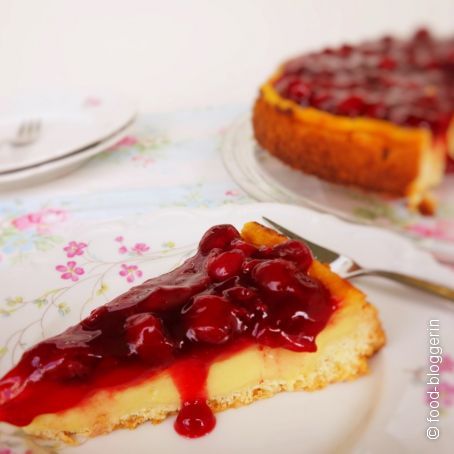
(73, 128)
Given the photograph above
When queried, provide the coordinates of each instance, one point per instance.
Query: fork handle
(421, 284)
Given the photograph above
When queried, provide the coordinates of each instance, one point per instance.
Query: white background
(173, 54)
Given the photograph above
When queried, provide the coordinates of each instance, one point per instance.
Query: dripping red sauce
(409, 82)
(230, 295)
(450, 165)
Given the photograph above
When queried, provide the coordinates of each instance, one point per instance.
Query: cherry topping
(247, 248)
(240, 294)
(210, 319)
(146, 338)
(225, 265)
(295, 251)
(252, 308)
(351, 106)
(321, 100)
(219, 236)
(65, 363)
(72, 365)
(375, 78)
(345, 50)
(275, 277)
(387, 63)
(450, 165)
(249, 265)
(96, 317)
(295, 324)
(195, 419)
(173, 296)
(298, 91)
(422, 34)
(376, 110)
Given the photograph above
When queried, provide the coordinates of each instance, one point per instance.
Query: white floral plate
(385, 411)
(70, 123)
(268, 179)
(59, 167)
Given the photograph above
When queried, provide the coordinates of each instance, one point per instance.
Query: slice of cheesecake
(378, 115)
(248, 316)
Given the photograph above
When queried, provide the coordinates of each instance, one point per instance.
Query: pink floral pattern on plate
(130, 272)
(136, 249)
(74, 248)
(70, 271)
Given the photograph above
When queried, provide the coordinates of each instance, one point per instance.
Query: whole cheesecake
(378, 115)
(248, 316)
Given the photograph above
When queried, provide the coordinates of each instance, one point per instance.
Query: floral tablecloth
(167, 160)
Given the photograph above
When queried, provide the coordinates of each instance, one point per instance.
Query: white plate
(58, 167)
(382, 412)
(69, 123)
(266, 178)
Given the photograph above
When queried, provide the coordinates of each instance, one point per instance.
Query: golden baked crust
(371, 154)
(341, 356)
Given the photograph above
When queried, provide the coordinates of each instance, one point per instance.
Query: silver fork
(27, 133)
(349, 269)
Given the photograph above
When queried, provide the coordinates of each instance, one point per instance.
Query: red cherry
(219, 236)
(249, 265)
(345, 50)
(146, 338)
(247, 248)
(275, 277)
(377, 110)
(225, 265)
(295, 324)
(210, 319)
(248, 299)
(70, 367)
(432, 63)
(67, 363)
(95, 318)
(422, 34)
(296, 252)
(172, 296)
(240, 294)
(321, 100)
(351, 106)
(298, 91)
(265, 252)
(107, 319)
(387, 63)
